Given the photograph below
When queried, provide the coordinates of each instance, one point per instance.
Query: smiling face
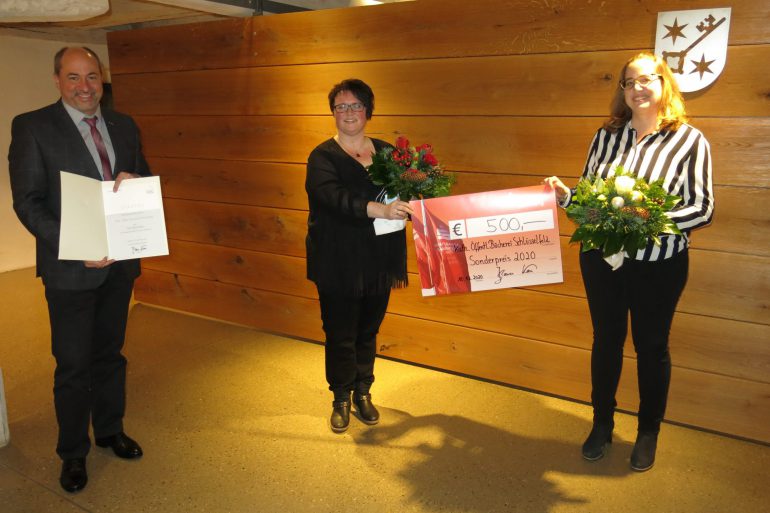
(643, 100)
(80, 80)
(349, 123)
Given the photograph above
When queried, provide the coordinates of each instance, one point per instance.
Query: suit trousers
(351, 325)
(87, 333)
(650, 292)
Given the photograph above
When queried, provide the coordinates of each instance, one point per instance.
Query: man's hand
(123, 175)
(99, 264)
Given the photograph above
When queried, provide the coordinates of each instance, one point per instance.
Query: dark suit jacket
(43, 143)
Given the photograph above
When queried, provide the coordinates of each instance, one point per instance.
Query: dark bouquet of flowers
(409, 172)
(621, 213)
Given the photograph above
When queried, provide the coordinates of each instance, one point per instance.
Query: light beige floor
(235, 420)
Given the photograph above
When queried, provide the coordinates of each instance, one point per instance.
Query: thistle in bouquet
(409, 172)
(621, 213)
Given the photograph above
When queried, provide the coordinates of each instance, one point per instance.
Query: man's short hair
(58, 57)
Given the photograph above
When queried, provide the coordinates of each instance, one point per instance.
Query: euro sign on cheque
(487, 240)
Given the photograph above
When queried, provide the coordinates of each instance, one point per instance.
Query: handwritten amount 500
(503, 225)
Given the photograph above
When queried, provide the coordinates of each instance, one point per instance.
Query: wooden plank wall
(507, 92)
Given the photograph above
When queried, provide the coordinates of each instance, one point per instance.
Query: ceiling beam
(268, 6)
(235, 8)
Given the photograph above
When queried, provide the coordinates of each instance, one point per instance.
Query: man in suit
(87, 300)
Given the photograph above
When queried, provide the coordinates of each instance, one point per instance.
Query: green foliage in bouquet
(409, 172)
(621, 213)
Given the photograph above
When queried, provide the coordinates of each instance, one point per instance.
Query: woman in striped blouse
(647, 134)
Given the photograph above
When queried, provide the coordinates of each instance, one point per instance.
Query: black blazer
(44, 142)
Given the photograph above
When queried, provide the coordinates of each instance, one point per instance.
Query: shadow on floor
(514, 467)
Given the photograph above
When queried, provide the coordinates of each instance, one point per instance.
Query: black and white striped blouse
(682, 158)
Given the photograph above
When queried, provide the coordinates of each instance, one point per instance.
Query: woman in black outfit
(648, 135)
(353, 268)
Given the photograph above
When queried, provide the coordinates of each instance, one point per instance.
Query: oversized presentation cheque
(487, 240)
(97, 222)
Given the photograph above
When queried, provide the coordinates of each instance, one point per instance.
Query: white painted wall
(26, 66)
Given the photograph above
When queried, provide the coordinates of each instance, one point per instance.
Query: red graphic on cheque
(487, 240)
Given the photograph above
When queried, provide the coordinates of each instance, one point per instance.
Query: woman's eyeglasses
(642, 80)
(344, 107)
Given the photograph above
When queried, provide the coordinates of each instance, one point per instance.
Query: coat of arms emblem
(694, 45)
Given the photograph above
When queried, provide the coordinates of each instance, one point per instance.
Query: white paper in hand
(97, 222)
(383, 226)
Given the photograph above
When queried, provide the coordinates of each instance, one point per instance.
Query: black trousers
(351, 325)
(87, 333)
(650, 292)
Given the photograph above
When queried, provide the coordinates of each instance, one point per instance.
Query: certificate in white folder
(97, 222)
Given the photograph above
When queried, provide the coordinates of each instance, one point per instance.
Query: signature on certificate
(135, 250)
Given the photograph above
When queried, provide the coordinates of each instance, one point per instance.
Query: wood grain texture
(513, 85)
(268, 229)
(450, 28)
(264, 184)
(697, 340)
(714, 287)
(497, 145)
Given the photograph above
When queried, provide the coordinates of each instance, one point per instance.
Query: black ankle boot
(597, 441)
(366, 410)
(643, 455)
(340, 419)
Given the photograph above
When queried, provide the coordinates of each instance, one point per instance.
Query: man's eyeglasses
(344, 107)
(642, 80)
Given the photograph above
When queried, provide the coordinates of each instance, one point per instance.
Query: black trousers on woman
(351, 325)
(650, 292)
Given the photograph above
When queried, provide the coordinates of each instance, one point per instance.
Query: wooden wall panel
(282, 231)
(268, 229)
(501, 145)
(236, 266)
(448, 28)
(508, 93)
(279, 313)
(266, 184)
(693, 343)
(224, 223)
(521, 85)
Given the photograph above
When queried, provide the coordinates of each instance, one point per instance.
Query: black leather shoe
(366, 410)
(73, 475)
(643, 455)
(340, 419)
(597, 441)
(121, 445)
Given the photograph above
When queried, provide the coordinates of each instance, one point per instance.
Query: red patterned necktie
(100, 148)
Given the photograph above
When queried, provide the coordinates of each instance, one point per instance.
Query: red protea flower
(414, 175)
